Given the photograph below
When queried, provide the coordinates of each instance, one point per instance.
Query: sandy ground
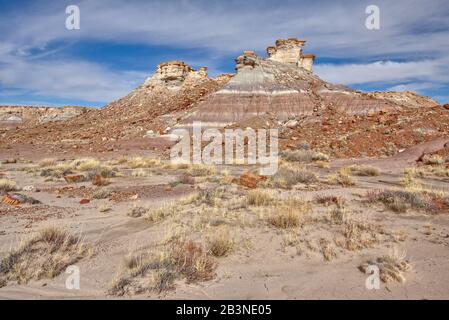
(259, 267)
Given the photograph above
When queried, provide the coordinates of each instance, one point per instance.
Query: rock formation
(279, 91)
(16, 116)
(173, 74)
(282, 84)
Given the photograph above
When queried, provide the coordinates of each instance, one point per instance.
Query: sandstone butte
(279, 90)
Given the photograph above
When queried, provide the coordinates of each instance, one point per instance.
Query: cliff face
(16, 116)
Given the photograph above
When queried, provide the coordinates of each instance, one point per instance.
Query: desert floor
(308, 240)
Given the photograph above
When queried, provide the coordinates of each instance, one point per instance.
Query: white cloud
(410, 29)
(384, 71)
(69, 79)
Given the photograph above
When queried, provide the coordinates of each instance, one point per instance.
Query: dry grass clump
(85, 164)
(329, 200)
(104, 208)
(45, 255)
(47, 162)
(258, 197)
(158, 214)
(304, 156)
(101, 194)
(7, 185)
(102, 171)
(434, 159)
(342, 177)
(210, 197)
(391, 267)
(139, 162)
(401, 201)
(285, 216)
(157, 271)
(410, 183)
(322, 164)
(340, 215)
(201, 170)
(136, 211)
(359, 235)
(139, 173)
(57, 171)
(367, 171)
(220, 243)
(327, 250)
(288, 176)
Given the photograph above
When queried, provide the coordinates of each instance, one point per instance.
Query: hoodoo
(282, 85)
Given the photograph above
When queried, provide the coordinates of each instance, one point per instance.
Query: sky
(120, 43)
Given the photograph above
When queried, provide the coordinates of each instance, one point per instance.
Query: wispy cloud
(410, 47)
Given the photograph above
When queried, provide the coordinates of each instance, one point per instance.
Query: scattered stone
(15, 199)
(29, 188)
(75, 178)
(84, 201)
(250, 180)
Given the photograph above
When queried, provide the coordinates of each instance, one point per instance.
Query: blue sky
(121, 42)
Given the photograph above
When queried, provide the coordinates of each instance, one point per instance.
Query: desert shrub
(85, 164)
(259, 198)
(401, 201)
(201, 170)
(57, 171)
(284, 217)
(103, 171)
(287, 177)
(157, 271)
(220, 243)
(7, 185)
(392, 267)
(328, 200)
(304, 156)
(342, 177)
(45, 255)
(433, 159)
(47, 162)
(140, 173)
(365, 171)
(136, 211)
(139, 162)
(322, 164)
(158, 214)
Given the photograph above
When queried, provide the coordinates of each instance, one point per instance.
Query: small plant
(220, 244)
(259, 198)
(434, 159)
(157, 271)
(155, 215)
(45, 255)
(136, 211)
(284, 217)
(365, 171)
(391, 267)
(287, 177)
(47, 162)
(342, 177)
(401, 201)
(201, 170)
(139, 173)
(7, 185)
